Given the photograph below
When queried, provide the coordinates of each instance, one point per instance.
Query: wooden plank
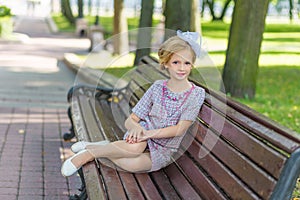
(202, 184)
(219, 174)
(147, 186)
(91, 123)
(110, 121)
(93, 182)
(113, 185)
(180, 183)
(151, 73)
(131, 186)
(247, 171)
(104, 123)
(79, 125)
(260, 152)
(277, 139)
(164, 185)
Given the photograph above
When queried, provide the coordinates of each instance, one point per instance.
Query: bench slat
(164, 185)
(199, 180)
(130, 186)
(247, 171)
(221, 175)
(108, 122)
(277, 139)
(180, 183)
(147, 186)
(113, 185)
(261, 153)
(79, 125)
(94, 184)
(87, 111)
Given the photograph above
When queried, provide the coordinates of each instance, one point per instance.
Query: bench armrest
(288, 177)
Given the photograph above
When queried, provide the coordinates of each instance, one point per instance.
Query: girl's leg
(142, 163)
(114, 150)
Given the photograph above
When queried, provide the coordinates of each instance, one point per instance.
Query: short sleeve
(143, 107)
(192, 108)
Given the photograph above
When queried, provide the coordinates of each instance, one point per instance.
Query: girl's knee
(138, 147)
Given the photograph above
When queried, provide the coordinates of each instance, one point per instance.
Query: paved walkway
(33, 118)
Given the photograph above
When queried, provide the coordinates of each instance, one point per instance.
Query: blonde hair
(171, 46)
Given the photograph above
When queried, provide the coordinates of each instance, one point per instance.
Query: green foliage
(5, 11)
(62, 23)
(118, 71)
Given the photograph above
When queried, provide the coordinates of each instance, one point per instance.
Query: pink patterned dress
(159, 108)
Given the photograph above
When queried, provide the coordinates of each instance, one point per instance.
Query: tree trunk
(144, 32)
(80, 8)
(178, 16)
(226, 4)
(246, 31)
(195, 17)
(120, 39)
(211, 5)
(67, 11)
(291, 2)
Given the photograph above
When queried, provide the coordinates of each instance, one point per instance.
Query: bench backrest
(235, 152)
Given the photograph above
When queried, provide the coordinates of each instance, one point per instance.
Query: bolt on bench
(233, 151)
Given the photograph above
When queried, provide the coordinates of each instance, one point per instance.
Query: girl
(159, 120)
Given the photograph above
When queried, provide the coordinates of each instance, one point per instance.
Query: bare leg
(117, 149)
(141, 163)
(113, 151)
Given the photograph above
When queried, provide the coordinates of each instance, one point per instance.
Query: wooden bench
(235, 153)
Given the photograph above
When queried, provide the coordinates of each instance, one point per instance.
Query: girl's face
(180, 65)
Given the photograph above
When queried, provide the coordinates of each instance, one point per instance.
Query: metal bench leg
(71, 134)
(83, 194)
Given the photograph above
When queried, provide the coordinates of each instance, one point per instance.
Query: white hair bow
(191, 38)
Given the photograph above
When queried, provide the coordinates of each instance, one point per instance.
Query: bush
(5, 11)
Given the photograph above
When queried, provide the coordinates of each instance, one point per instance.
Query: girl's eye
(187, 63)
(175, 62)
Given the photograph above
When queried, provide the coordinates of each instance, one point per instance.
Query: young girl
(159, 120)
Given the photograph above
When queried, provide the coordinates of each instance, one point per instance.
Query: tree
(80, 8)
(211, 6)
(195, 17)
(246, 31)
(144, 34)
(120, 41)
(67, 11)
(177, 16)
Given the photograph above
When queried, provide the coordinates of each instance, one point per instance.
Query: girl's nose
(182, 66)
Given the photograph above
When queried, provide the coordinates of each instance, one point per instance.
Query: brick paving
(33, 117)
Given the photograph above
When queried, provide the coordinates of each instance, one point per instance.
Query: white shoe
(81, 145)
(68, 168)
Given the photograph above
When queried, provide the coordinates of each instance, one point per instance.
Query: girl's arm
(167, 132)
(135, 130)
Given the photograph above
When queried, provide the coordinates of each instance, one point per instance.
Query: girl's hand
(145, 136)
(134, 134)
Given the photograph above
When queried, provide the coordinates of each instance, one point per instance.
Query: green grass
(278, 95)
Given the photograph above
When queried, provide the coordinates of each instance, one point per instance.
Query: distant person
(159, 120)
